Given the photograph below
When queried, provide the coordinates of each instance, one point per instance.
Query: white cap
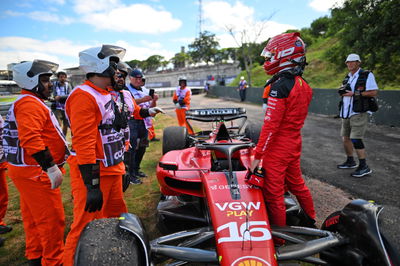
(353, 57)
(241, 77)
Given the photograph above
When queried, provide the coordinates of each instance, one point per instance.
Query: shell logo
(250, 261)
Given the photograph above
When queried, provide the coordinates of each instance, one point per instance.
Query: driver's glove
(91, 177)
(264, 106)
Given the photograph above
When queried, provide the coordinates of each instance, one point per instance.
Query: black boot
(306, 220)
(5, 229)
(35, 262)
(2, 241)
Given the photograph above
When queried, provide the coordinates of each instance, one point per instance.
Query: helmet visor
(267, 54)
(111, 50)
(41, 66)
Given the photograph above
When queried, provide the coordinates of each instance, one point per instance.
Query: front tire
(252, 132)
(174, 138)
(103, 242)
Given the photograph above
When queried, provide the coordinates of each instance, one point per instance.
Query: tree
(370, 28)
(204, 48)
(180, 60)
(134, 63)
(246, 40)
(319, 26)
(153, 62)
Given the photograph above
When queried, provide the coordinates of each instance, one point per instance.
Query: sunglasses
(120, 75)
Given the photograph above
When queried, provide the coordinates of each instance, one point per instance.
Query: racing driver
(279, 145)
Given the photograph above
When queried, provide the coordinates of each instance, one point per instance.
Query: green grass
(7, 99)
(141, 200)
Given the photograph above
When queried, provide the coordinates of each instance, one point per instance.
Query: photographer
(358, 86)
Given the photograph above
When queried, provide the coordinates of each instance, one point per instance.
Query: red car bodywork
(240, 222)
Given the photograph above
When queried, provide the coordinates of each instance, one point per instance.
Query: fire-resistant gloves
(178, 106)
(45, 160)
(55, 176)
(91, 177)
(264, 106)
(155, 110)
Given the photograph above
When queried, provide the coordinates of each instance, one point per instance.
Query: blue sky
(57, 30)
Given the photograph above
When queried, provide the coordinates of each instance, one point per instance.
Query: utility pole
(200, 21)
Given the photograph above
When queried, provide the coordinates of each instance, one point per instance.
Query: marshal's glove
(55, 176)
(91, 177)
(45, 160)
(155, 110)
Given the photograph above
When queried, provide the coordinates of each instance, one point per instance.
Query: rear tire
(103, 242)
(174, 138)
(252, 132)
(335, 256)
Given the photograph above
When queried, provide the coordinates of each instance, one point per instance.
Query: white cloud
(16, 49)
(120, 19)
(58, 2)
(115, 16)
(42, 16)
(65, 53)
(221, 16)
(91, 6)
(271, 29)
(325, 5)
(144, 52)
(50, 17)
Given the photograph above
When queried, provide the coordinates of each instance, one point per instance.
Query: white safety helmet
(97, 59)
(241, 78)
(26, 74)
(182, 78)
(353, 57)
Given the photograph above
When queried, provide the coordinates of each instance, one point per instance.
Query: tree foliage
(180, 60)
(204, 48)
(370, 28)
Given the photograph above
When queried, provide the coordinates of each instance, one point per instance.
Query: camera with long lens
(345, 88)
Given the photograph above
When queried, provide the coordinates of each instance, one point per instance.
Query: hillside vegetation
(370, 28)
(319, 73)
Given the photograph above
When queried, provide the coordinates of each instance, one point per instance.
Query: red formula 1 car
(210, 215)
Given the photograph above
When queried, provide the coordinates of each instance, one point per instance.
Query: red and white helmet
(282, 52)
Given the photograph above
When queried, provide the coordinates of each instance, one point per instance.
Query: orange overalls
(84, 116)
(3, 192)
(41, 207)
(181, 112)
(3, 181)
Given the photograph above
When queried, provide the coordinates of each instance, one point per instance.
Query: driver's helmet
(101, 60)
(26, 74)
(284, 51)
(124, 67)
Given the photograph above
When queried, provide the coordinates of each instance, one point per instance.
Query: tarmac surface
(331, 187)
